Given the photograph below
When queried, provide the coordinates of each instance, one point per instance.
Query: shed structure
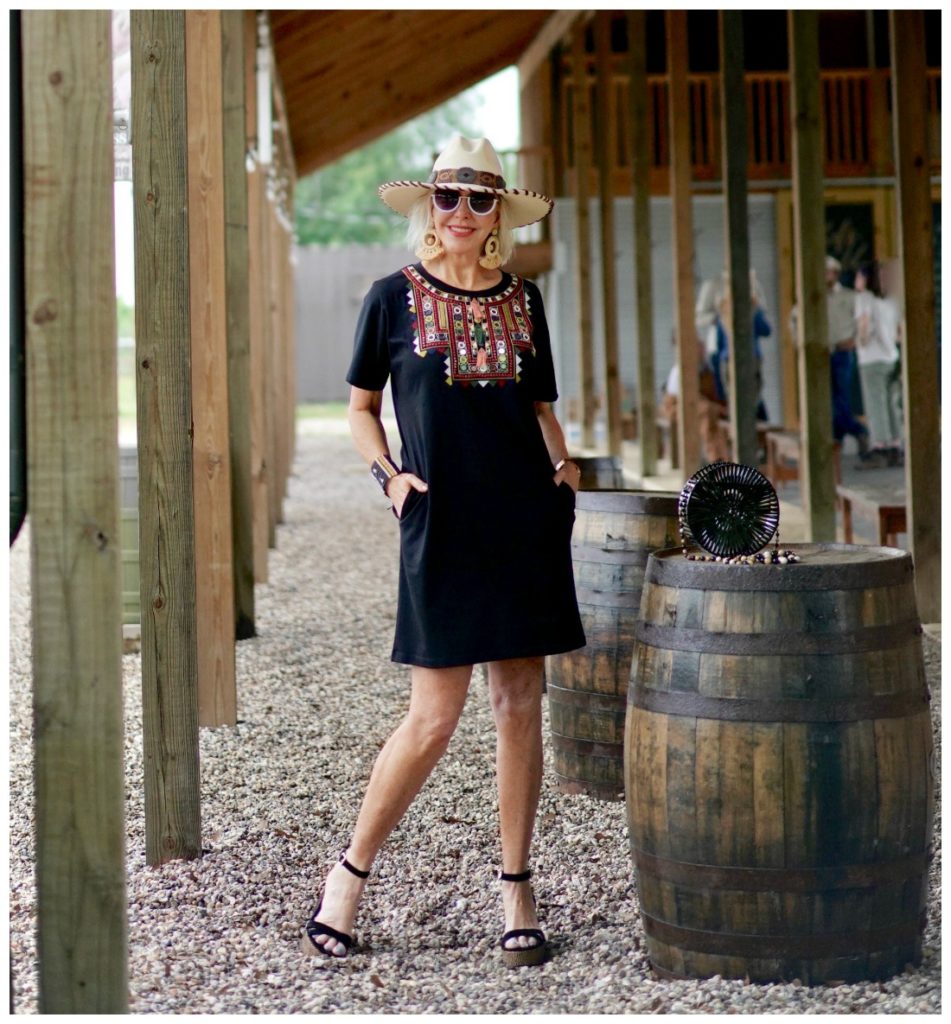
(224, 119)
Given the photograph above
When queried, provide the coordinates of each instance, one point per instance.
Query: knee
(515, 691)
(431, 732)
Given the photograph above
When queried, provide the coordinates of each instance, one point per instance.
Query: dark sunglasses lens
(481, 204)
(446, 201)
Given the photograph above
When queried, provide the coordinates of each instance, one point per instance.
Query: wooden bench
(783, 449)
(762, 432)
(888, 507)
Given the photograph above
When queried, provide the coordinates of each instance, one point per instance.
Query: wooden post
(816, 469)
(273, 394)
(164, 414)
(743, 385)
(678, 105)
(290, 327)
(211, 466)
(640, 191)
(73, 459)
(786, 288)
(606, 126)
(237, 300)
(257, 319)
(920, 364)
(581, 118)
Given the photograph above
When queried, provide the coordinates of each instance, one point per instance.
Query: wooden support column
(164, 415)
(257, 340)
(816, 469)
(678, 108)
(238, 305)
(291, 327)
(919, 347)
(274, 376)
(73, 484)
(581, 120)
(217, 699)
(743, 386)
(786, 288)
(640, 192)
(606, 125)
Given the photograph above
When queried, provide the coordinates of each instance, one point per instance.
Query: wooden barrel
(778, 767)
(613, 535)
(600, 473)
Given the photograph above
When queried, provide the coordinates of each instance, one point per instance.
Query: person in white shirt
(840, 306)
(877, 322)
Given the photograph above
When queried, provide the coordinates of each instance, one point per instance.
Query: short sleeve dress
(485, 552)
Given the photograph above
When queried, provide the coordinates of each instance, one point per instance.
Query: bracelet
(566, 462)
(383, 470)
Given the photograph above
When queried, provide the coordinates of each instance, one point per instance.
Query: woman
(877, 350)
(485, 501)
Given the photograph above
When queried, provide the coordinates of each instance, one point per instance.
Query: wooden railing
(856, 123)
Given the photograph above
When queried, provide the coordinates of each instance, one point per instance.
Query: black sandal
(527, 956)
(314, 928)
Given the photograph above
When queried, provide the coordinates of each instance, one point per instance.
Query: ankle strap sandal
(523, 956)
(314, 929)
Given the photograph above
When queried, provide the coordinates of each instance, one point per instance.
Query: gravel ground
(317, 698)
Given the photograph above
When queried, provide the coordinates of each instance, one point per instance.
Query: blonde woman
(484, 494)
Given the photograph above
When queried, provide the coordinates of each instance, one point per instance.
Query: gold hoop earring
(491, 257)
(430, 248)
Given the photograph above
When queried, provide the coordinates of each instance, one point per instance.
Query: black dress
(485, 553)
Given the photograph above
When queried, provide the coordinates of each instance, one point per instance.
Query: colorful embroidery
(482, 339)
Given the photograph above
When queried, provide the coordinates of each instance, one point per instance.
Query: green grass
(322, 411)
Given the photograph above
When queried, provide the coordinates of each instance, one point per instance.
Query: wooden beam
(816, 471)
(678, 107)
(163, 409)
(273, 377)
(606, 130)
(535, 120)
(640, 192)
(237, 284)
(211, 466)
(73, 486)
(915, 246)
(258, 339)
(539, 49)
(581, 118)
(743, 371)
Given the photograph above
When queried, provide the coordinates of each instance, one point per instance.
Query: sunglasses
(480, 203)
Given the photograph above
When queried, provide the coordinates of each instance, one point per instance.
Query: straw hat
(473, 165)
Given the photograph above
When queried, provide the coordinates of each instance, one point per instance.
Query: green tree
(339, 204)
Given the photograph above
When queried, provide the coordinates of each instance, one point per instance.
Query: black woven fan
(729, 509)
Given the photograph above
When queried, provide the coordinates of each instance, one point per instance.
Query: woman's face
(462, 232)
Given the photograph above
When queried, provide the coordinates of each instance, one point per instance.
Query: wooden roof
(350, 76)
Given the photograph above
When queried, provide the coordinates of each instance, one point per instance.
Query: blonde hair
(420, 216)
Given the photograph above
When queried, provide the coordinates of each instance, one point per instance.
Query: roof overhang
(349, 77)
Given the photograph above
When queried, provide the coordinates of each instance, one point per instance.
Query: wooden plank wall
(915, 233)
(163, 407)
(211, 459)
(73, 489)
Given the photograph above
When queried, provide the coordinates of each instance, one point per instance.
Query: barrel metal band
(845, 876)
(573, 745)
(636, 557)
(807, 947)
(609, 599)
(587, 699)
(685, 704)
(868, 638)
(659, 503)
(670, 569)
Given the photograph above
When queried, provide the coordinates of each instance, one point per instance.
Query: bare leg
(515, 692)
(401, 769)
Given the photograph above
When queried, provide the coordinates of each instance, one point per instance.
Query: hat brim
(524, 206)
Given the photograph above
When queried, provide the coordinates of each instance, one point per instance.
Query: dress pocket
(413, 499)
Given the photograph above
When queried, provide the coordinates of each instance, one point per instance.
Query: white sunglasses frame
(460, 197)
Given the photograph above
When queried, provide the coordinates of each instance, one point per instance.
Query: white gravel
(317, 698)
